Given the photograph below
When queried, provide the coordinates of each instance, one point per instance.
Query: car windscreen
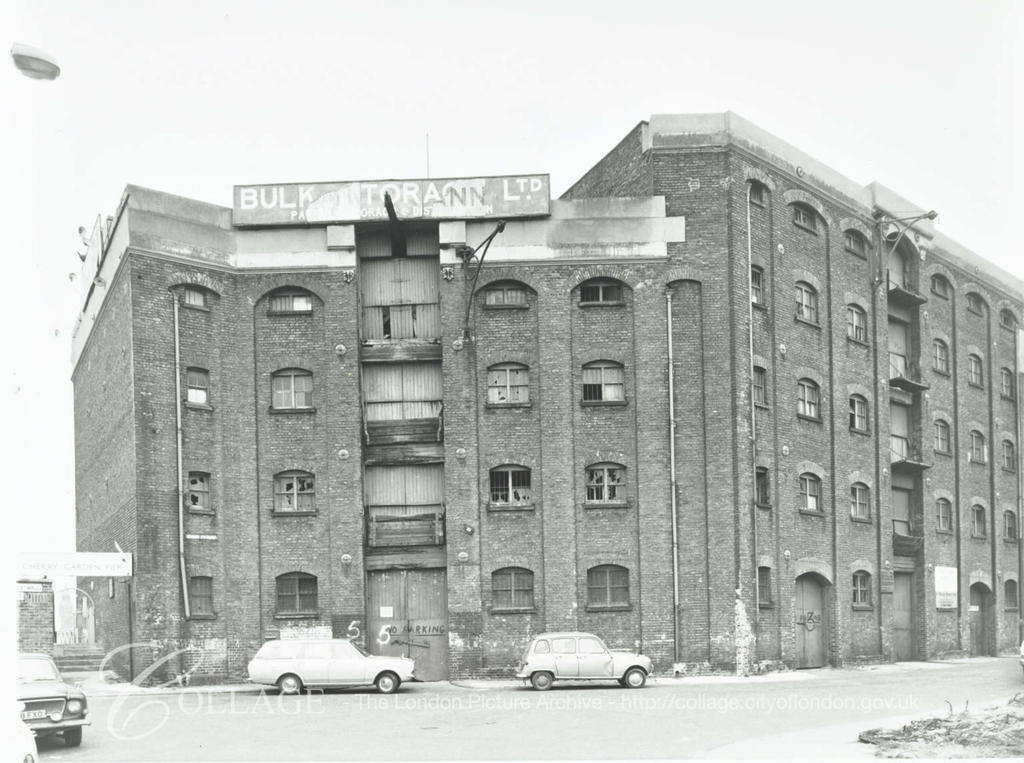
(37, 670)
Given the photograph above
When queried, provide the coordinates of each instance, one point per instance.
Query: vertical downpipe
(179, 492)
(672, 480)
(956, 465)
(753, 416)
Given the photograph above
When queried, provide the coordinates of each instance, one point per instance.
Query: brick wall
(35, 616)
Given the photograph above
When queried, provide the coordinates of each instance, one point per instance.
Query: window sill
(855, 253)
(609, 303)
(804, 417)
(767, 506)
(1012, 541)
(946, 453)
(513, 611)
(1009, 398)
(940, 372)
(197, 308)
(606, 504)
(195, 616)
(762, 406)
(505, 307)
(510, 507)
(940, 295)
(766, 605)
(759, 305)
(862, 607)
(202, 512)
(862, 432)
(805, 228)
(807, 322)
(296, 615)
(939, 531)
(289, 312)
(972, 311)
(809, 513)
(979, 463)
(603, 403)
(861, 520)
(286, 411)
(858, 342)
(609, 608)
(276, 513)
(979, 537)
(1009, 471)
(197, 406)
(508, 405)
(975, 385)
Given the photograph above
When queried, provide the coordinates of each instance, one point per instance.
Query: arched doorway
(982, 619)
(811, 621)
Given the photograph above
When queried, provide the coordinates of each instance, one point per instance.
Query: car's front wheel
(73, 737)
(635, 678)
(289, 684)
(387, 683)
(542, 680)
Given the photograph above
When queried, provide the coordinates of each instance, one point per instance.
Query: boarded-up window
(402, 391)
(405, 504)
(400, 298)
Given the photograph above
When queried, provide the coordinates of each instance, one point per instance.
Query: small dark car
(51, 706)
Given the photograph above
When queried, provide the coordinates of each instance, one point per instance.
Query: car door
(594, 659)
(347, 666)
(315, 663)
(566, 661)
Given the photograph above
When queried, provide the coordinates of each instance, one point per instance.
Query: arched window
(510, 486)
(290, 300)
(856, 323)
(292, 389)
(978, 524)
(861, 589)
(805, 217)
(856, 244)
(975, 374)
(756, 285)
(940, 356)
(975, 303)
(200, 595)
(508, 383)
(1009, 456)
(1006, 386)
(858, 413)
(294, 491)
(860, 501)
(607, 586)
(194, 296)
(810, 493)
(1007, 319)
(978, 453)
(1010, 596)
(197, 386)
(942, 438)
(940, 286)
(296, 593)
(598, 291)
(1010, 531)
(758, 193)
(505, 294)
(603, 381)
(806, 302)
(808, 400)
(512, 588)
(943, 515)
(606, 483)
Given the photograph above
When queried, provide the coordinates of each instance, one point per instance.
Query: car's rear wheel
(289, 684)
(635, 678)
(387, 683)
(542, 680)
(73, 737)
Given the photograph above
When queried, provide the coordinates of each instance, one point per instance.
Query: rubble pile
(995, 732)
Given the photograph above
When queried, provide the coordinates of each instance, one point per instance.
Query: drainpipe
(179, 492)
(753, 419)
(672, 480)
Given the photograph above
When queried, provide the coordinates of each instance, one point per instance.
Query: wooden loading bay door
(407, 616)
(904, 636)
(811, 623)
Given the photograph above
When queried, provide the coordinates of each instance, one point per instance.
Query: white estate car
(580, 657)
(292, 664)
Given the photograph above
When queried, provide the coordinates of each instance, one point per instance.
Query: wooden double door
(407, 615)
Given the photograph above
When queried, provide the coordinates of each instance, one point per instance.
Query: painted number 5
(353, 630)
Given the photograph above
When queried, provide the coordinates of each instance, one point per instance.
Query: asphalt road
(441, 721)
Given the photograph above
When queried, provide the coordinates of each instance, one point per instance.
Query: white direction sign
(77, 563)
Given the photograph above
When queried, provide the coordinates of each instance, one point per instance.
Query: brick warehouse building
(718, 403)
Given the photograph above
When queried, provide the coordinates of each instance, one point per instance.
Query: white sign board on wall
(75, 563)
(945, 587)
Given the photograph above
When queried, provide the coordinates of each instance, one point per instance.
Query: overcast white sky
(193, 97)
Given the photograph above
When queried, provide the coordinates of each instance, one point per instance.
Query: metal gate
(407, 614)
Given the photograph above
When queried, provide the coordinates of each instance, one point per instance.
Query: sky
(194, 97)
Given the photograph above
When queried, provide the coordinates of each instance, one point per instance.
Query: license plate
(31, 715)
